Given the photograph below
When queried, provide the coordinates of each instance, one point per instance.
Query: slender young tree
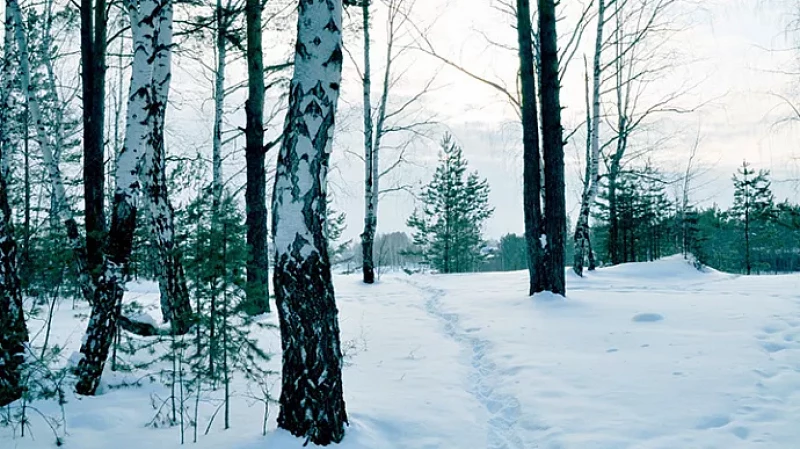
(255, 154)
(752, 204)
(370, 166)
(592, 178)
(553, 240)
(311, 403)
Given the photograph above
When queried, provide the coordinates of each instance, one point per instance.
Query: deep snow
(648, 355)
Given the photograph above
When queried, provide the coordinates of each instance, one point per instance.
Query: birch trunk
(144, 19)
(531, 159)
(175, 302)
(257, 301)
(312, 403)
(219, 105)
(54, 173)
(368, 236)
(555, 224)
(13, 332)
(590, 188)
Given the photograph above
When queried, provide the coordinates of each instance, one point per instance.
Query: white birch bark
(370, 180)
(65, 213)
(161, 216)
(312, 403)
(591, 186)
(102, 327)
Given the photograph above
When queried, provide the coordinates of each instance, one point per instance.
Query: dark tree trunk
(257, 301)
(613, 218)
(110, 287)
(553, 148)
(532, 181)
(311, 403)
(93, 55)
(13, 332)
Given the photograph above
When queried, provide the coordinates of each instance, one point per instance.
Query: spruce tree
(752, 203)
(455, 206)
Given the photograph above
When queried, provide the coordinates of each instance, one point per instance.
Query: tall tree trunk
(312, 402)
(175, 302)
(368, 236)
(590, 188)
(531, 173)
(553, 148)
(93, 55)
(13, 332)
(257, 301)
(144, 18)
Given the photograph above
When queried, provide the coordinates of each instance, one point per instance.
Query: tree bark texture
(144, 18)
(257, 300)
(13, 332)
(531, 171)
(311, 403)
(591, 186)
(368, 236)
(175, 302)
(93, 71)
(553, 148)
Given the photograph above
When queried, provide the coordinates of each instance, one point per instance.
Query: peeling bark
(312, 402)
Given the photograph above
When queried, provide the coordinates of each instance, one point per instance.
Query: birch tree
(13, 331)
(175, 302)
(638, 61)
(311, 403)
(381, 119)
(144, 19)
(591, 182)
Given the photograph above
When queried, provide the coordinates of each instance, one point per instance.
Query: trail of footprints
(505, 410)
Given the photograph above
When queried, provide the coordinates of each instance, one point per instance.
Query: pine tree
(455, 206)
(752, 203)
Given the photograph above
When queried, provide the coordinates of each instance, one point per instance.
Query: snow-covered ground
(651, 355)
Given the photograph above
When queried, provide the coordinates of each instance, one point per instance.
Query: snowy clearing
(649, 355)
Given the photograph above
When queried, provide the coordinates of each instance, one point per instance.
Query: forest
(213, 148)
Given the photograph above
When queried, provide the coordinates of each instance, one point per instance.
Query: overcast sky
(733, 54)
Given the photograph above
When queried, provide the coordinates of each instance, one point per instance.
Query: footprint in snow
(647, 317)
(772, 347)
(713, 422)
